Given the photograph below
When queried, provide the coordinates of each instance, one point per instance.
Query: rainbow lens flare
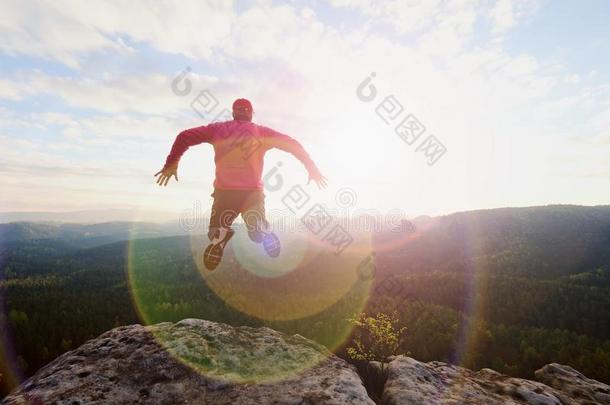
(308, 290)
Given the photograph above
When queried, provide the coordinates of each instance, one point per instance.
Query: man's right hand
(166, 174)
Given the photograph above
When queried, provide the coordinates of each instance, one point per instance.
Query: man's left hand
(318, 178)
(166, 174)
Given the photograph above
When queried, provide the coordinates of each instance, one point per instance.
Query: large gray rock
(413, 382)
(202, 362)
(574, 384)
(196, 362)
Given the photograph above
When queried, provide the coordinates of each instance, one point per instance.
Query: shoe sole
(212, 256)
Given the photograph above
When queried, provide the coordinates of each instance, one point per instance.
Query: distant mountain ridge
(86, 235)
(86, 216)
(552, 240)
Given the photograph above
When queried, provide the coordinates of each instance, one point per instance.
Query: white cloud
(65, 30)
(505, 13)
(116, 127)
(47, 30)
(147, 94)
(502, 15)
(10, 90)
(404, 16)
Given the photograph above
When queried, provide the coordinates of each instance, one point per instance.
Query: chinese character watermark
(408, 128)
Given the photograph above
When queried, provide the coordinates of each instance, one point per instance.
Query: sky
(511, 100)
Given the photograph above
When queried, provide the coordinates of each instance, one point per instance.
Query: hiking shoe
(213, 253)
(271, 243)
(212, 256)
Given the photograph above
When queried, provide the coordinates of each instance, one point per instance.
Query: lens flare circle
(306, 279)
(308, 290)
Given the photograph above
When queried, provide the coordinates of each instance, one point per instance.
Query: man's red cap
(242, 104)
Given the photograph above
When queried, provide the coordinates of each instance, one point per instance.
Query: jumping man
(239, 150)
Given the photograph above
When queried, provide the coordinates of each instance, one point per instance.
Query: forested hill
(543, 242)
(530, 285)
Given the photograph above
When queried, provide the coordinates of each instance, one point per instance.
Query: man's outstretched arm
(284, 142)
(184, 140)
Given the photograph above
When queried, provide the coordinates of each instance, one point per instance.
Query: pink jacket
(239, 149)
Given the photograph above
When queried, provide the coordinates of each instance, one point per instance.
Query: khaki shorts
(228, 204)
